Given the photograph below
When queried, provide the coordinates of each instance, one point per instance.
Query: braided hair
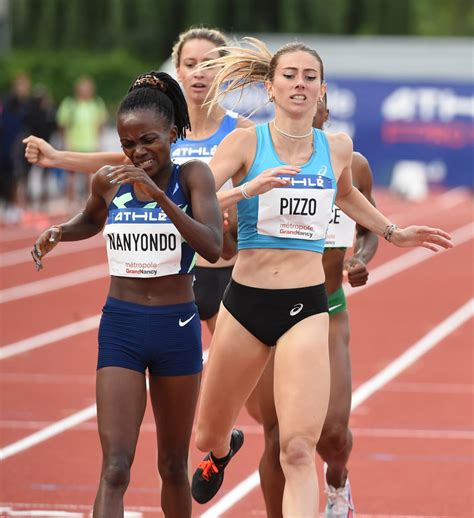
(158, 90)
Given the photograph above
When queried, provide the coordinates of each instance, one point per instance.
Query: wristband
(243, 190)
(389, 230)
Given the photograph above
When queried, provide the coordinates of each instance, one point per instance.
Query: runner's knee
(205, 439)
(297, 451)
(173, 468)
(116, 472)
(335, 437)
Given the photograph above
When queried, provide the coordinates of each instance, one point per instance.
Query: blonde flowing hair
(198, 33)
(242, 66)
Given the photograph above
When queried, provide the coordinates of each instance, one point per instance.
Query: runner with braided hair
(155, 216)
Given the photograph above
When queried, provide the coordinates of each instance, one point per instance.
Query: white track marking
(396, 433)
(48, 432)
(82, 509)
(363, 392)
(431, 388)
(377, 275)
(50, 337)
(58, 427)
(413, 353)
(256, 430)
(462, 234)
(409, 259)
(48, 511)
(65, 280)
(22, 255)
(92, 273)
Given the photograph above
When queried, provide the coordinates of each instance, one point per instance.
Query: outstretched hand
(39, 152)
(271, 178)
(133, 175)
(44, 244)
(432, 238)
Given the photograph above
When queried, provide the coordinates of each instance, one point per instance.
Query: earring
(271, 98)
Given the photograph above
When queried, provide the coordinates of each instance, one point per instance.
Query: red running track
(413, 427)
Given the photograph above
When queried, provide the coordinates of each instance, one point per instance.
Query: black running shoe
(209, 475)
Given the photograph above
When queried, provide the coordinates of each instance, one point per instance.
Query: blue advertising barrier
(400, 126)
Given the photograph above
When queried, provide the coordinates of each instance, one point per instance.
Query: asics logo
(182, 323)
(296, 309)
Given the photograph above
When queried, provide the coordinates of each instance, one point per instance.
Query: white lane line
(49, 431)
(431, 388)
(129, 512)
(19, 256)
(453, 197)
(456, 435)
(432, 205)
(377, 275)
(257, 430)
(65, 280)
(363, 392)
(55, 431)
(47, 512)
(57, 427)
(49, 337)
(414, 353)
(8, 511)
(409, 259)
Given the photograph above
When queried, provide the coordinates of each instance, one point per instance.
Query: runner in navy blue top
(157, 216)
(193, 47)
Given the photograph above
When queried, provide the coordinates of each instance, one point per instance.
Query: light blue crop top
(293, 217)
(186, 149)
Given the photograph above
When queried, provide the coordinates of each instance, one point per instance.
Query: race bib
(142, 242)
(341, 230)
(301, 210)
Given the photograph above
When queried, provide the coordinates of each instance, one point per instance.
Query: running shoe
(339, 501)
(209, 475)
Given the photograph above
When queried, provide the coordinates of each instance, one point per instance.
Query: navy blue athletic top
(141, 240)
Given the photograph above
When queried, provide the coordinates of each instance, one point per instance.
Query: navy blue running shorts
(166, 340)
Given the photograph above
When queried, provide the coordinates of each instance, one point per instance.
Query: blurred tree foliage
(147, 28)
(112, 40)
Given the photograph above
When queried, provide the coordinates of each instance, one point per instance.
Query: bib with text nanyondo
(142, 242)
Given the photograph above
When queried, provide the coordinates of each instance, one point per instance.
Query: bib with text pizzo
(341, 230)
(142, 242)
(300, 210)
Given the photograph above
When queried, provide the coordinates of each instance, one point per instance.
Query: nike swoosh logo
(182, 323)
(296, 309)
(332, 308)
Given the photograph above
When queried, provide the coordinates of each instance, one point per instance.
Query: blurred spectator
(81, 119)
(41, 121)
(15, 108)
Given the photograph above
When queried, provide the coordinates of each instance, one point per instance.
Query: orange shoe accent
(208, 467)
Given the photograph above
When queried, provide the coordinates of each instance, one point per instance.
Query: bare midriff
(272, 268)
(158, 291)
